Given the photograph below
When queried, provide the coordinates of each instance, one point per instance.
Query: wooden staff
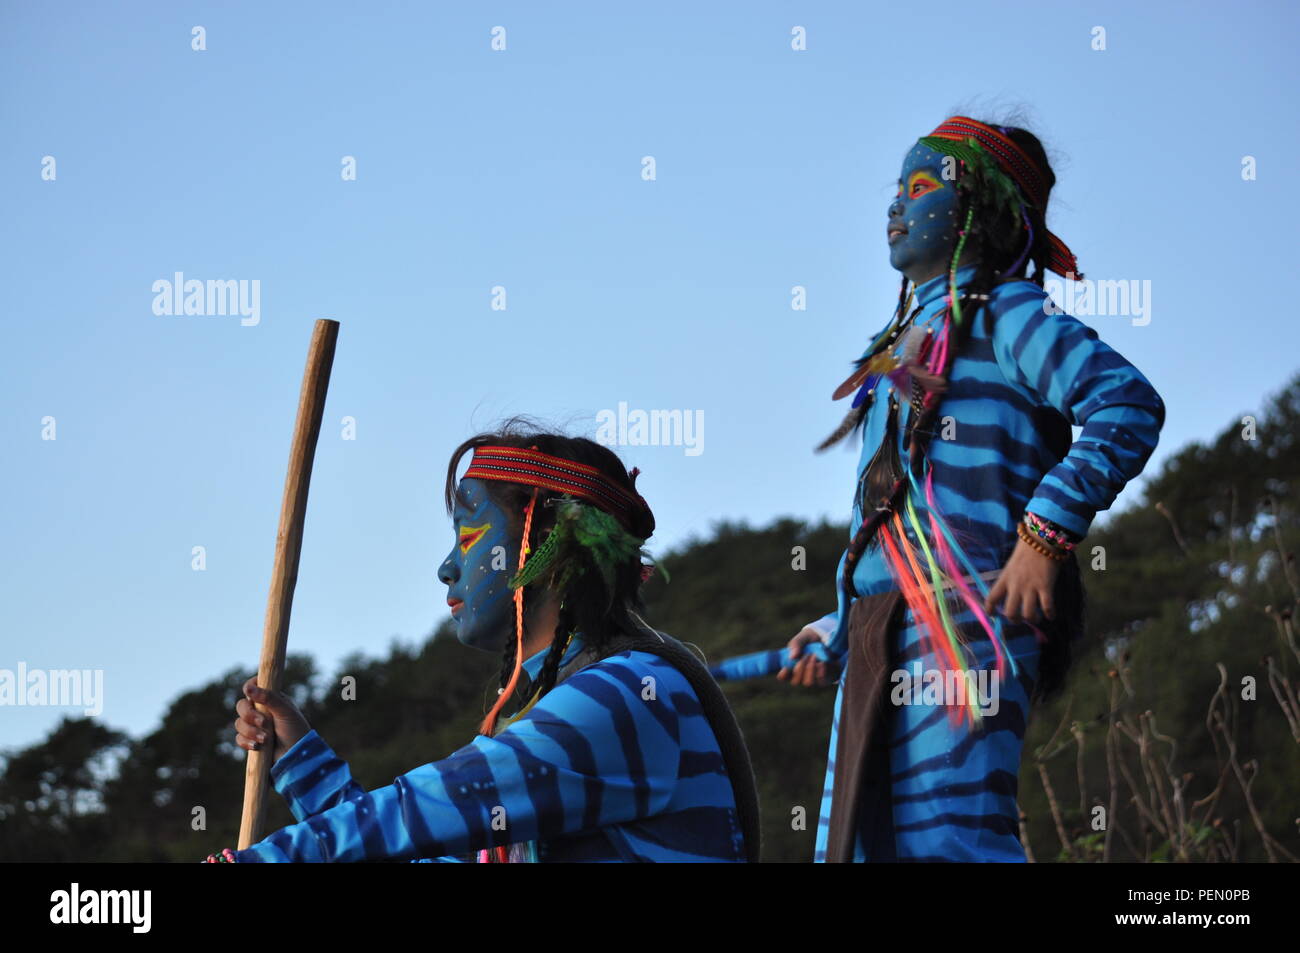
(284, 575)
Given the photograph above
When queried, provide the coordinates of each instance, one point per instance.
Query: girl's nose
(449, 571)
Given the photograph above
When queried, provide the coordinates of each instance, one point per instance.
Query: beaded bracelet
(1049, 531)
(1040, 545)
(227, 856)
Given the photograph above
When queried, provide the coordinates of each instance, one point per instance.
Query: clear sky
(523, 169)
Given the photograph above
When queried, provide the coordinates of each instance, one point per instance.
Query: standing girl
(959, 592)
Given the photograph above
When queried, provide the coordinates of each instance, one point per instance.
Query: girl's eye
(468, 536)
(921, 184)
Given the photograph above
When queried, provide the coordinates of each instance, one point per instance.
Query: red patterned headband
(534, 468)
(1023, 171)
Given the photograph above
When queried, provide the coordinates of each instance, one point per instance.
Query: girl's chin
(476, 638)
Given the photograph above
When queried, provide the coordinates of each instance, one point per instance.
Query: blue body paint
(479, 567)
(922, 227)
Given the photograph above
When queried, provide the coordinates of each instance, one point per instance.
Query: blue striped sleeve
(312, 778)
(601, 748)
(1061, 362)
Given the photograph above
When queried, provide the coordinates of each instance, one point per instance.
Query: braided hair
(599, 605)
(1007, 236)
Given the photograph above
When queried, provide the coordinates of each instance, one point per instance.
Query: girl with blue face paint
(970, 500)
(608, 741)
(922, 226)
(478, 569)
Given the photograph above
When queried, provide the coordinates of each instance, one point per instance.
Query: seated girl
(608, 741)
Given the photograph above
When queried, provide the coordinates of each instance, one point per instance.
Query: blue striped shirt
(616, 763)
(1012, 398)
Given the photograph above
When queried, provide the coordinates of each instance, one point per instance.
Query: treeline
(1175, 739)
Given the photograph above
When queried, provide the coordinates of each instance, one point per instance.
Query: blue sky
(522, 169)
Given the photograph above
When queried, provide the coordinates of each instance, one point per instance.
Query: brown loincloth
(862, 714)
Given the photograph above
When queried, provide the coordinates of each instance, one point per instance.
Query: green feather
(540, 561)
(582, 535)
(988, 175)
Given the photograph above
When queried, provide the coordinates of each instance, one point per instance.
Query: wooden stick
(284, 575)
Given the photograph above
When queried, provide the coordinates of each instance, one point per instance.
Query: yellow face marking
(922, 183)
(470, 535)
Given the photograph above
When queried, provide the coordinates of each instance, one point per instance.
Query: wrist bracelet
(1040, 545)
(1049, 531)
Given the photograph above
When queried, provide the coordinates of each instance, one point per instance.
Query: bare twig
(1288, 559)
(1056, 811)
(1112, 806)
(1285, 695)
(1178, 537)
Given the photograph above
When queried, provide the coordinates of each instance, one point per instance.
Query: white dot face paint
(478, 589)
(924, 195)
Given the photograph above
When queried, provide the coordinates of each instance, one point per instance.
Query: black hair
(998, 230)
(587, 606)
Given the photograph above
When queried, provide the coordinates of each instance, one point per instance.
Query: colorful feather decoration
(583, 535)
(921, 552)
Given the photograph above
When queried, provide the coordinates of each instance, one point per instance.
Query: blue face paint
(478, 569)
(922, 228)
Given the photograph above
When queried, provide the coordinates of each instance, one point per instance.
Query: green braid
(952, 272)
